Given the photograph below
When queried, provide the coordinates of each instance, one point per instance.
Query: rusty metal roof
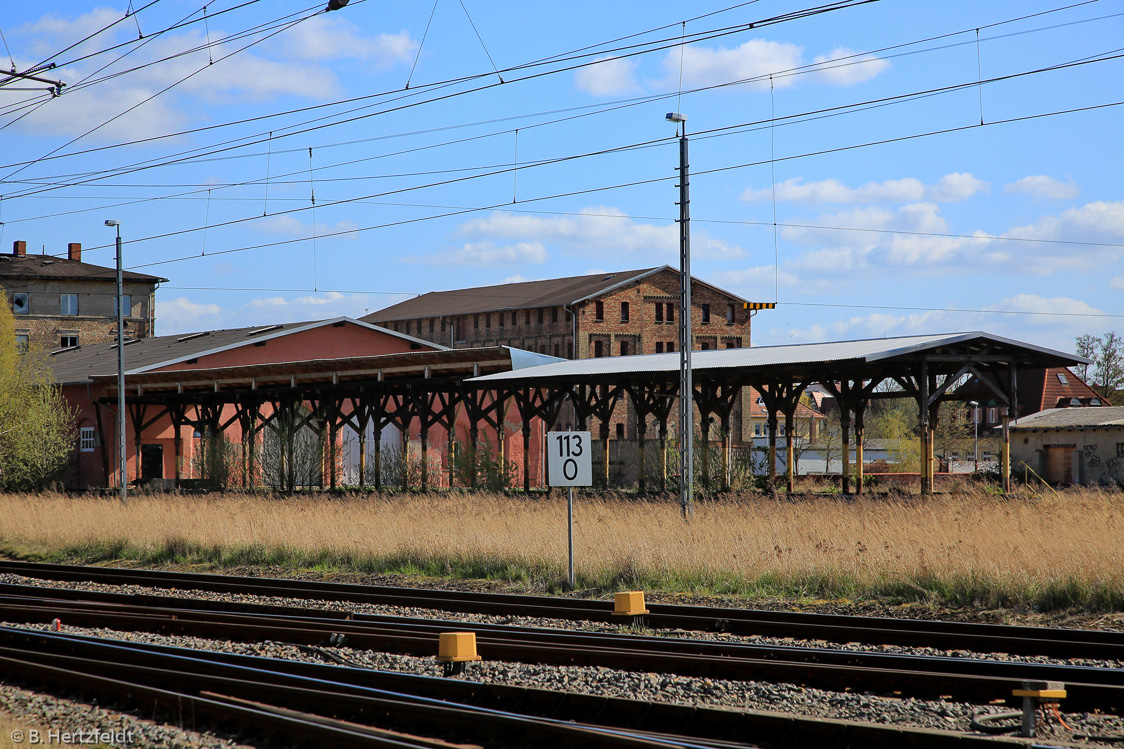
(1073, 418)
(412, 364)
(49, 267)
(82, 364)
(794, 357)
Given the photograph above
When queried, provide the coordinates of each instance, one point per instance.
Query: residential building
(1038, 390)
(608, 314)
(64, 302)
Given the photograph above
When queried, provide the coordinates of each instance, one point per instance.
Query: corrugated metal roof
(26, 267)
(1071, 418)
(861, 351)
(552, 292)
(79, 365)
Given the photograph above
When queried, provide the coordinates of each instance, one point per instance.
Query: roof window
(1062, 379)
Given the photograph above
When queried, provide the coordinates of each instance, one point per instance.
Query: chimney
(19, 248)
(74, 251)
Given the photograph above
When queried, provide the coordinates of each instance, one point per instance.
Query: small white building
(1070, 445)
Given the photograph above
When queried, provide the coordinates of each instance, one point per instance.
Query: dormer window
(1075, 401)
(1062, 379)
(1094, 401)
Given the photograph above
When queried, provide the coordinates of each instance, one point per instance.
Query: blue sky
(838, 162)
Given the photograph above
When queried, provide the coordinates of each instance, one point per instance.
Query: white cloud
(949, 188)
(1041, 186)
(319, 306)
(485, 254)
(596, 230)
(753, 60)
(287, 225)
(182, 315)
(334, 37)
(1117, 283)
(611, 76)
(1100, 221)
(1035, 303)
(846, 67)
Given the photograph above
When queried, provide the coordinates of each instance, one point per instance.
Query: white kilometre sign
(569, 459)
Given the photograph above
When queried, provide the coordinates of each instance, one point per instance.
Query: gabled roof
(798, 358)
(1073, 418)
(553, 292)
(81, 364)
(1040, 389)
(49, 267)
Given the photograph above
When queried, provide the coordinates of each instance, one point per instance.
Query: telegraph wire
(586, 191)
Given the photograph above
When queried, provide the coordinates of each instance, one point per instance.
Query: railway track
(982, 638)
(921, 676)
(306, 703)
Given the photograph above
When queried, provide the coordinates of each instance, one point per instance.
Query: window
(992, 415)
(488, 320)
(659, 347)
(431, 325)
(557, 351)
(704, 346)
(624, 311)
(87, 439)
(756, 430)
(597, 350)
(730, 314)
(620, 431)
(476, 322)
(554, 314)
(540, 315)
(659, 311)
(542, 349)
(624, 348)
(127, 305)
(1062, 379)
(670, 347)
(731, 343)
(669, 315)
(20, 303)
(68, 341)
(501, 319)
(23, 340)
(514, 320)
(706, 314)
(599, 311)
(68, 304)
(442, 324)
(527, 317)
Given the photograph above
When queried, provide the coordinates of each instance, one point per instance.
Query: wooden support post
(725, 423)
(404, 436)
(704, 443)
(137, 456)
(526, 456)
(923, 418)
(860, 434)
(378, 458)
(773, 452)
(790, 451)
(424, 458)
(473, 436)
(845, 432)
(177, 446)
(451, 451)
(362, 457)
(604, 430)
(1005, 456)
(641, 436)
(332, 435)
(663, 455)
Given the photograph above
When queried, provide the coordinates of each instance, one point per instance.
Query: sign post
(569, 463)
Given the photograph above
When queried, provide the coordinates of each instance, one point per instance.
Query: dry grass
(1053, 551)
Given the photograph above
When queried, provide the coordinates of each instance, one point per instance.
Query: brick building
(609, 314)
(1038, 390)
(64, 302)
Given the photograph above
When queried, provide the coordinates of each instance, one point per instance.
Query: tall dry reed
(1050, 550)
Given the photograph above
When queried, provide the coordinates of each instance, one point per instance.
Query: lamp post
(686, 386)
(976, 433)
(124, 466)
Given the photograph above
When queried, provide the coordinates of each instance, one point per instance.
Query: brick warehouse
(63, 302)
(623, 313)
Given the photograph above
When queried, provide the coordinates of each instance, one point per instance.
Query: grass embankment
(1055, 551)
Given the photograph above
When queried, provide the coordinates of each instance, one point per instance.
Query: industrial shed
(1071, 445)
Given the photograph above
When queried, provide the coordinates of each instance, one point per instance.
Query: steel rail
(984, 638)
(909, 675)
(349, 699)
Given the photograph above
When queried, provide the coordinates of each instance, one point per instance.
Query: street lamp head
(973, 404)
(336, 4)
(112, 222)
(675, 117)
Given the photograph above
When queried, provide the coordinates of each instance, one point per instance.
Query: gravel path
(610, 682)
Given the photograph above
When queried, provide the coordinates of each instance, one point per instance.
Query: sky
(877, 168)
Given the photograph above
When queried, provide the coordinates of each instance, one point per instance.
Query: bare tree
(1107, 353)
